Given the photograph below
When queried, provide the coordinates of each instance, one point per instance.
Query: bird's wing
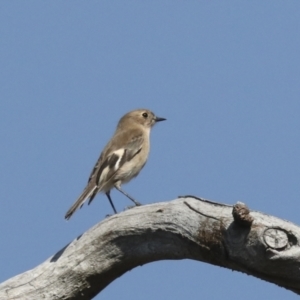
(116, 159)
(116, 149)
(110, 161)
(105, 169)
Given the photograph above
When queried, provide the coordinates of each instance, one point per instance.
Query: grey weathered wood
(188, 227)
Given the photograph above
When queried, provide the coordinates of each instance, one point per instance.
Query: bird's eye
(145, 115)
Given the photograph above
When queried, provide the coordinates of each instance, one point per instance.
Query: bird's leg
(129, 197)
(111, 203)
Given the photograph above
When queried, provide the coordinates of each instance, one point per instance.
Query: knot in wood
(276, 238)
(241, 214)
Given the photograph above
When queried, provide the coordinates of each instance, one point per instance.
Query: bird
(122, 158)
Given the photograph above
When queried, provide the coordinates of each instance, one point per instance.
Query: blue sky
(226, 75)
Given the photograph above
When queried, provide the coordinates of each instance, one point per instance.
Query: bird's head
(144, 117)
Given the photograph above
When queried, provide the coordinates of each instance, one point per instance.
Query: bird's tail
(88, 192)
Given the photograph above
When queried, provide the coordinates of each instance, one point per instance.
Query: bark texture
(228, 236)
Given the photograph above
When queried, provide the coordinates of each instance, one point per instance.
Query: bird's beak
(158, 119)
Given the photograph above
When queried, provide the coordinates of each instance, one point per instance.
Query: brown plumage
(122, 158)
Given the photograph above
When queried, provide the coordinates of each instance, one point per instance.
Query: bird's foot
(108, 215)
(132, 206)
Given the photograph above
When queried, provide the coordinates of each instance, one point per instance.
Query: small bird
(122, 158)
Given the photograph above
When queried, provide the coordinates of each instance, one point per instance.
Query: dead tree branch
(188, 227)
